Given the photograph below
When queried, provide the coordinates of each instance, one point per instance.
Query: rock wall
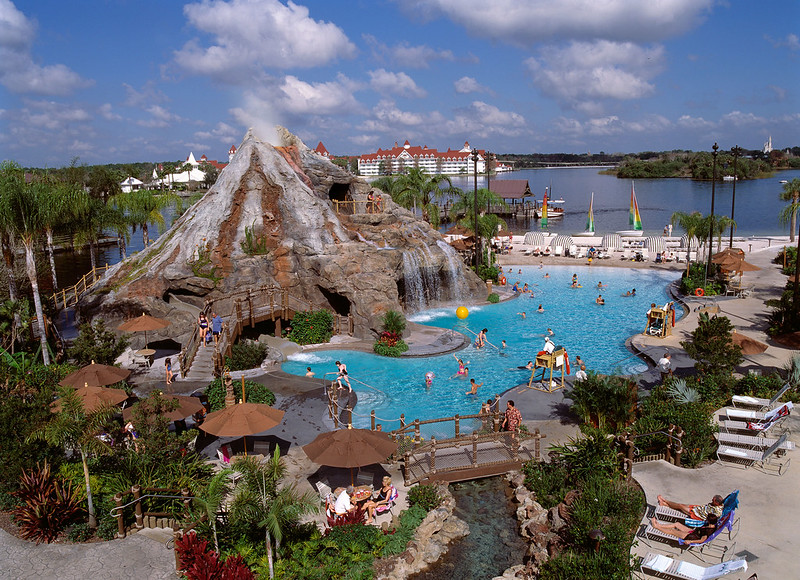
(284, 197)
(434, 534)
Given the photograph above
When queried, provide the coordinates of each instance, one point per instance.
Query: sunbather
(697, 512)
(685, 533)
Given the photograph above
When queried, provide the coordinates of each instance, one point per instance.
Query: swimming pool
(596, 333)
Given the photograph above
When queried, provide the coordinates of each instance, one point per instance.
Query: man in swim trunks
(599, 300)
(474, 389)
(343, 376)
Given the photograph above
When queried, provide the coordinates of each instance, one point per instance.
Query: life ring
(502, 280)
(699, 292)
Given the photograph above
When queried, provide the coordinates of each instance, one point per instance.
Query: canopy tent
(534, 239)
(612, 242)
(562, 240)
(655, 244)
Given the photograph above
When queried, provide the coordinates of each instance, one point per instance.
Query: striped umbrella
(655, 244)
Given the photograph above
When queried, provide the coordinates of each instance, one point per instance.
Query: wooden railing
(353, 206)
(70, 296)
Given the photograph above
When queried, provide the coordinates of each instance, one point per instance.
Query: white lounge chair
(760, 404)
(581, 253)
(670, 567)
(573, 250)
(758, 416)
(750, 441)
(750, 457)
(557, 250)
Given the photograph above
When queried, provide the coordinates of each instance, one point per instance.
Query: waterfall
(454, 269)
(428, 278)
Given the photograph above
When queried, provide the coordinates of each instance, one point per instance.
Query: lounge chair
(749, 457)
(758, 418)
(581, 253)
(573, 250)
(324, 490)
(725, 522)
(558, 250)
(730, 503)
(750, 441)
(760, 404)
(665, 566)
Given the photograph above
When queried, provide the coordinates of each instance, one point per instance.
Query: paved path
(137, 557)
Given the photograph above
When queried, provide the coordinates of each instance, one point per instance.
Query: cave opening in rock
(341, 192)
(338, 303)
(263, 327)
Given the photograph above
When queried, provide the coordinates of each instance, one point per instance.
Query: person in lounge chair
(696, 512)
(685, 533)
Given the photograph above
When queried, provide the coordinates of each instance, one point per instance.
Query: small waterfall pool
(493, 543)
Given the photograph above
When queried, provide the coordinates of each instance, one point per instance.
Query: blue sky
(145, 80)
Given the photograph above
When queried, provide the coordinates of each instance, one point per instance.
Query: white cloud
(251, 35)
(405, 55)
(107, 113)
(394, 84)
(144, 97)
(301, 98)
(221, 132)
(18, 72)
(48, 126)
(584, 71)
(466, 85)
(689, 122)
(791, 41)
(740, 119)
(159, 117)
(526, 23)
(482, 120)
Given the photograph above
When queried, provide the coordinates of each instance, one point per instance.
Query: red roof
(321, 150)
(416, 151)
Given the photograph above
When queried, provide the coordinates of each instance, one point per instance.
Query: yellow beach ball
(462, 312)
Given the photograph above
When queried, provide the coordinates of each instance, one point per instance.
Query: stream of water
(493, 543)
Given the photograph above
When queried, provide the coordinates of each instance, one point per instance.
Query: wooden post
(407, 461)
(515, 448)
(187, 501)
(668, 456)
(402, 420)
(137, 495)
(119, 515)
(372, 420)
(496, 422)
(416, 432)
(537, 444)
(433, 455)
(177, 535)
(349, 414)
(457, 430)
(679, 446)
(474, 449)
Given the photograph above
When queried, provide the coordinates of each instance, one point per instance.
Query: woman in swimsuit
(461, 368)
(343, 376)
(202, 322)
(384, 493)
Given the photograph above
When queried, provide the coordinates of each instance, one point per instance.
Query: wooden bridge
(67, 297)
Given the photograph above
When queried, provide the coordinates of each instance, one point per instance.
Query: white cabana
(535, 239)
(612, 242)
(562, 240)
(655, 244)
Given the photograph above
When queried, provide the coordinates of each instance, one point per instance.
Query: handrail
(96, 273)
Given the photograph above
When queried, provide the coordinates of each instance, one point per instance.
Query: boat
(589, 221)
(783, 181)
(634, 218)
(551, 208)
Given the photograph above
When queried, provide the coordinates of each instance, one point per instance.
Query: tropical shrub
(246, 355)
(390, 341)
(696, 278)
(255, 243)
(255, 393)
(607, 402)
(488, 272)
(711, 345)
(493, 298)
(389, 347)
(199, 563)
(424, 496)
(95, 343)
(312, 327)
(394, 322)
(48, 506)
(80, 532)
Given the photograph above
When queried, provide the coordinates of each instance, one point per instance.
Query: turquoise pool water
(596, 333)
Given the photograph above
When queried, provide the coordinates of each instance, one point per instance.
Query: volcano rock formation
(281, 200)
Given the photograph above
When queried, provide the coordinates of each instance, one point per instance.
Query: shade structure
(719, 257)
(95, 375)
(655, 244)
(727, 261)
(612, 242)
(350, 448)
(739, 266)
(94, 398)
(242, 419)
(561, 240)
(187, 406)
(749, 345)
(459, 245)
(534, 239)
(503, 234)
(143, 323)
(458, 230)
(685, 241)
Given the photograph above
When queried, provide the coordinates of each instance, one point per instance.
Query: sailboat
(543, 220)
(634, 219)
(589, 221)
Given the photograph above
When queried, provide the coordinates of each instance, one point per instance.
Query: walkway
(137, 557)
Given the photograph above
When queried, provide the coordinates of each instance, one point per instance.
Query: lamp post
(475, 210)
(736, 152)
(489, 157)
(713, 194)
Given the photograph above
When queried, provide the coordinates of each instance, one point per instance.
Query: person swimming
(547, 274)
(599, 300)
(522, 314)
(540, 309)
(429, 376)
(462, 369)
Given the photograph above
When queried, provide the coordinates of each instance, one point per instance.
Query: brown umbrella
(749, 345)
(242, 419)
(144, 323)
(95, 375)
(459, 245)
(187, 406)
(350, 448)
(504, 234)
(94, 397)
(458, 230)
(725, 262)
(728, 252)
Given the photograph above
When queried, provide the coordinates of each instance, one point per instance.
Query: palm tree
(417, 188)
(791, 193)
(92, 216)
(25, 210)
(691, 223)
(75, 428)
(59, 209)
(143, 206)
(258, 501)
(791, 211)
(210, 497)
(8, 174)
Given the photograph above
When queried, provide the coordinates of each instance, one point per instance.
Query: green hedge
(246, 355)
(314, 327)
(256, 393)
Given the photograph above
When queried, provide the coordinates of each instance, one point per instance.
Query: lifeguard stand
(659, 322)
(555, 361)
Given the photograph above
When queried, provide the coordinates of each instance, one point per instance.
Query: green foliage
(488, 272)
(607, 402)
(425, 496)
(246, 355)
(493, 298)
(202, 266)
(681, 392)
(48, 505)
(107, 526)
(95, 343)
(8, 501)
(394, 321)
(711, 346)
(80, 532)
(591, 454)
(696, 278)
(255, 392)
(385, 349)
(314, 327)
(549, 481)
(254, 243)
(409, 522)
(789, 254)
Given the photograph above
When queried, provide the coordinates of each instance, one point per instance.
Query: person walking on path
(216, 326)
(665, 366)
(512, 420)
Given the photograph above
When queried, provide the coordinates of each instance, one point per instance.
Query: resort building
(191, 170)
(397, 159)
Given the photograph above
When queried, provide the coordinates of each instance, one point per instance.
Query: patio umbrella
(458, 230)
(144, 323)
(504, 234)
(734, 252)
(242, 419)
(350, 448)
(187, 406)
(749, 345)
(95, 375)
(94, 397)
(459, 245)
